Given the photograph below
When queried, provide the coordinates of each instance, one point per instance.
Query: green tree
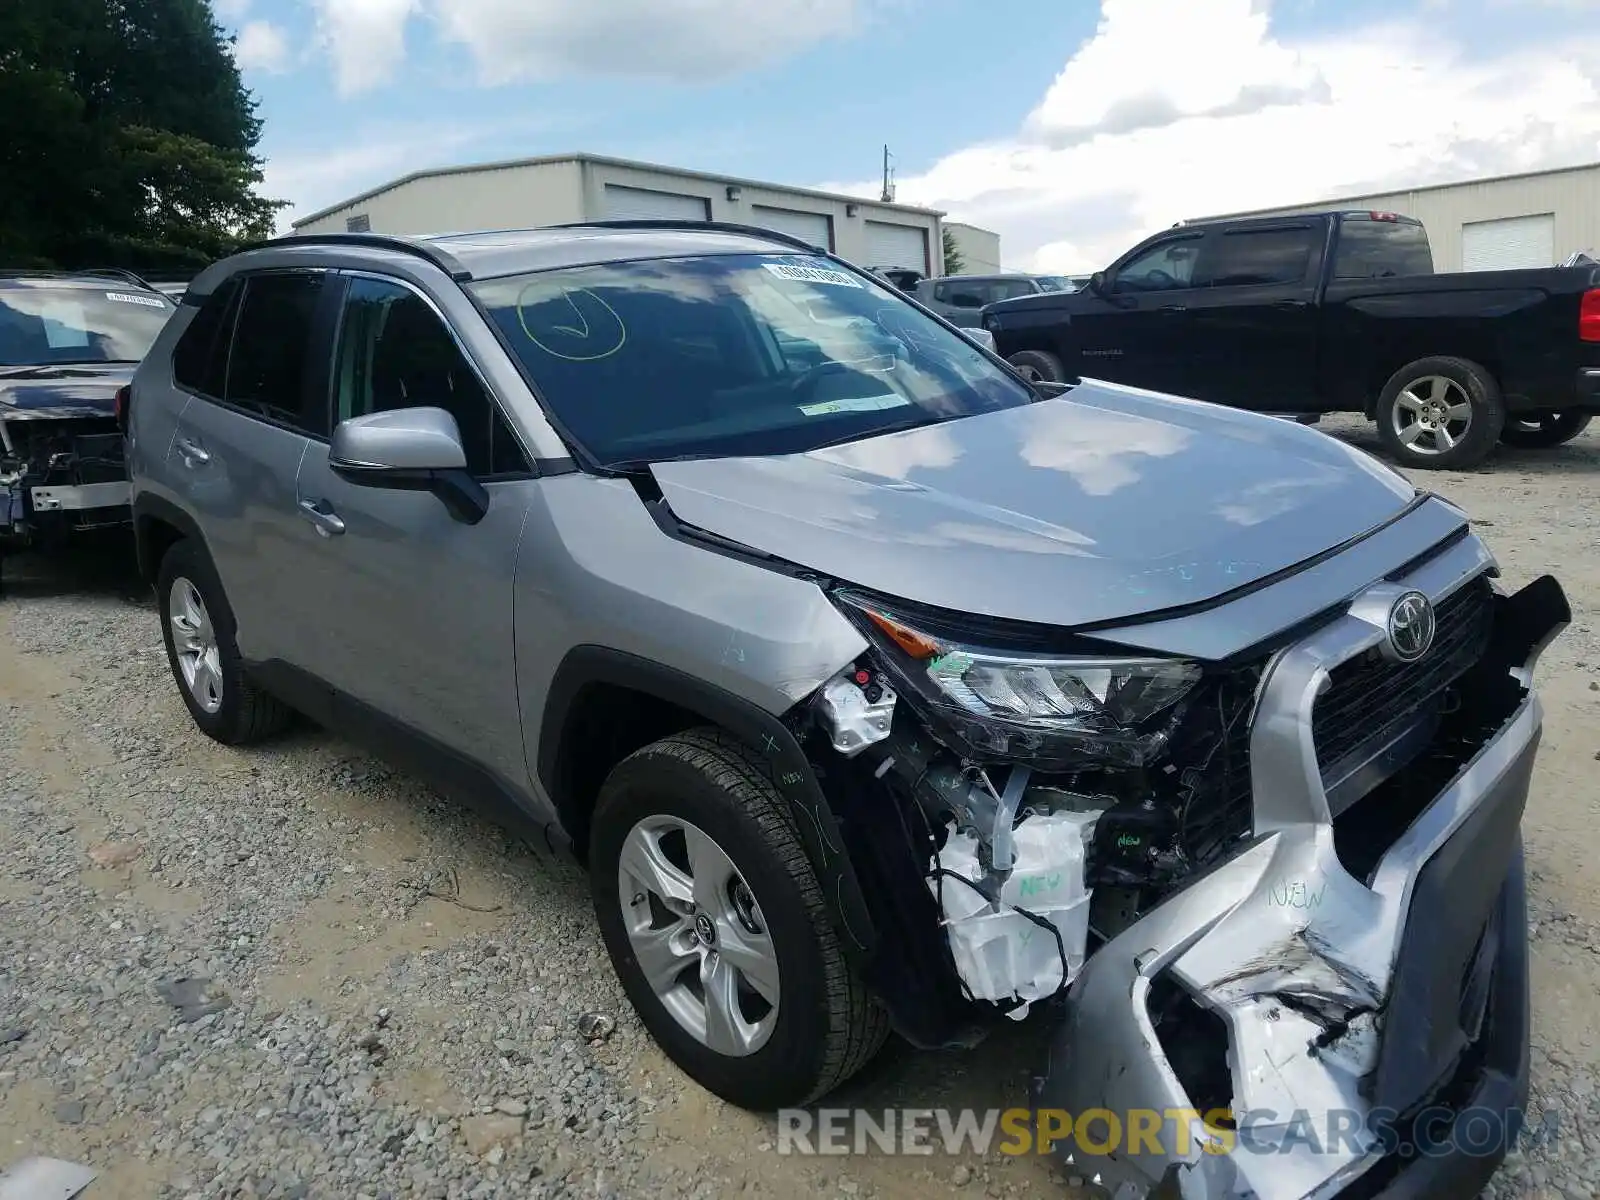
(954, 264)
(126, 136)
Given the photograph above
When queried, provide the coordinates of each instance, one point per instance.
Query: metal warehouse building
(1531, 220)
(979, 248)
(585, 187)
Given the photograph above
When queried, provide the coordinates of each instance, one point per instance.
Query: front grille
(1371, 699)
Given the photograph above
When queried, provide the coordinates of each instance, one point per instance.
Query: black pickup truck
(1330, 312)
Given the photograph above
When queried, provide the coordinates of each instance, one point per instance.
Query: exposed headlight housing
(1051, 710)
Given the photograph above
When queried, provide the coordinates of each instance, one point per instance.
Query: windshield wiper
(880, 431)
(632, 466)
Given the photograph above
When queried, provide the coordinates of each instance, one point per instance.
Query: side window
(200, 359)
(965, 293)
(1255, 257)
(272, 346)
(1372, 248)
(1007, 289)
(1165, 267)
(394, 352)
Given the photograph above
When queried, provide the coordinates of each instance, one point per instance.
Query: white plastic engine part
(1000, 954)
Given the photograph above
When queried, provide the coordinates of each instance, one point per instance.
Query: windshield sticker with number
(812, 274)
(854, 404)
(125, 298)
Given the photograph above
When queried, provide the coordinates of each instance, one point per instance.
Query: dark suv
(67, 344)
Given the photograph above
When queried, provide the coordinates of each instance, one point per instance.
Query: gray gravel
(293, 972)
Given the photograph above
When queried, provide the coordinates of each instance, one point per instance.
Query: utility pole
(888, 177)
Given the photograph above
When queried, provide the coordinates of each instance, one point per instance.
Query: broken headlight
(1033, 707)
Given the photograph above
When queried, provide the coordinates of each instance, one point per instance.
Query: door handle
(1291, 304)
(1170, 309)
(323, 519)
(192, 451)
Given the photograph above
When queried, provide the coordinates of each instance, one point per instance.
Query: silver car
(877, 690)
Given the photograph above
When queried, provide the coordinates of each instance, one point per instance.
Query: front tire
(1440, 414)
(1544, 430)
(717, 926)
(198, 629)
(1037, 366)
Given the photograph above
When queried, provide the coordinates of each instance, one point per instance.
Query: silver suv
(876, 689)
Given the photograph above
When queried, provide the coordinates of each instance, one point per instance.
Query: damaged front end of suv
(1262, 852)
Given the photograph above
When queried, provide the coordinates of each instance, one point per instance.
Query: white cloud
(261, 46)
(1174, 111)
(365, 38)
(681, 40)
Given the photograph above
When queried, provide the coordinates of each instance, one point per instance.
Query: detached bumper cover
(1351, 1016)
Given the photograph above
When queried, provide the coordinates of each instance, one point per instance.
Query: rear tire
(1038, 366)
(691, 827)
(1440, 414)
(1543, 430)
(198, 628)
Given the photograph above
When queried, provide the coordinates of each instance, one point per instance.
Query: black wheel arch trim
(148, 508)
(792, 772)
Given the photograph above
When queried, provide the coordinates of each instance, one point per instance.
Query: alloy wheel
(1431, 415)
(698, 935)
(194, 643)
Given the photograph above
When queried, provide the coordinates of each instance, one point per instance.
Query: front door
(412, 607)
(1138, 331)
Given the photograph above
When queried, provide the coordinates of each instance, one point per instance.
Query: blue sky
(1069, 126)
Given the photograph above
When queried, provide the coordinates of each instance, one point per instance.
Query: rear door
(1251, 338)
(257, 389)
(409, 608)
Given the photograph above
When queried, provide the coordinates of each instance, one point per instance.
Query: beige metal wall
(979, 248)
(849, 227)
(514, 197)
(528, 194)
(1573, 196)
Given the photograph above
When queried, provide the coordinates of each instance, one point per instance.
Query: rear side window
(200, 359)
(271, 347)
(1372, 249)
(1255, 257)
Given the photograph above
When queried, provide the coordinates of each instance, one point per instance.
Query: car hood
(1102, 504)
(71, 392)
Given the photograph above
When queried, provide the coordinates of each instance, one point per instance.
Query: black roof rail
(92, 273)
(440, 258)
(114, 273)
(772, 235)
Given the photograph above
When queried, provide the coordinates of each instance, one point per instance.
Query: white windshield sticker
(125, 298)
(854, 404)
(812, 274)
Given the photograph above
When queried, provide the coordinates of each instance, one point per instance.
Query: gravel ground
(293, 972)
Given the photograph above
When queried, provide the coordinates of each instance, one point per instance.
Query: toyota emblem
(1411, 627)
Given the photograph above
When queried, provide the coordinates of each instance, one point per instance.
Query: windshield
(735, 355)
(45, 322)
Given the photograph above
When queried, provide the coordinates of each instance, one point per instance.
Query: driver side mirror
(409, 449)
(1097, 283)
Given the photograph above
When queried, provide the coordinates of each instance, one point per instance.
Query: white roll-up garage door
(897, 246)
(815, 228)
(640, 204)
(1509, 243)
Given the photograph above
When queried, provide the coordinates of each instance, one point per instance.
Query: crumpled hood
(1102, 504)
(87, 391)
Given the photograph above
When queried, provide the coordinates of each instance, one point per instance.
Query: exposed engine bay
(1034, 861)
(1234, 879)
(59, 474)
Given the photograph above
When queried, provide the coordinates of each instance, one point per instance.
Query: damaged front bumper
(1320, 1015)
(58, 476)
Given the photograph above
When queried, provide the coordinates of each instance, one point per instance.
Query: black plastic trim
(792, 772)
(148, 508)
